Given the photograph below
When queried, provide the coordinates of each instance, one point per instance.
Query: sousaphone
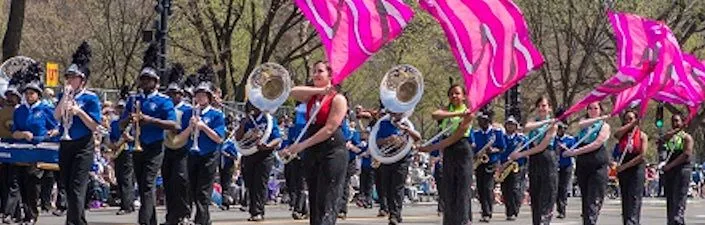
(400, 90)
(267, 88)
(7, 69)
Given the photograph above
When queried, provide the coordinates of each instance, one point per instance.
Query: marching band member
(513, 185)
(33, 122)
(174, 167)
(629, 158)
(228, 154)
(121, 143)
(81, 115)
(393, 176)
(204, 127)
(352, 138)
(592, 162)
(11, 187)
(485, 171)
(326, 156)
(294, 170)
(258, 166)
(436, 161)
(457, 157)
(543, 173)
(678, 169)
(366, 173)
(156, 114)
(565, 168)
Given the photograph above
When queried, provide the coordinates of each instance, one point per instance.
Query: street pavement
(653, 212)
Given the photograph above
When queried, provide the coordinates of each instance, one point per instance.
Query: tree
(13, 34)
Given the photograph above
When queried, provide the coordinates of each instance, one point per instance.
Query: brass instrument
(66, 117)
(482, 156)
(196, 132)
(375, 164)
(48, 166)
(137, 108)
(170, 140)
(507, 168)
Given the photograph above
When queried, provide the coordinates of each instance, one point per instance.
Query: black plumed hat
(80, 61)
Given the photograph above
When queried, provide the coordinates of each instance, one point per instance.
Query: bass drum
(389, 156)
(248, 147)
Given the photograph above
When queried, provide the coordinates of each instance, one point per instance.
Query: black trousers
(255, 171)
(676, 184)
(457, 179)
(631, 187)
(513, 188)
(176, 185)
(378, 183)
(4, 187)
(344, 199)
(392, 178)
(565, 177)
(12, 196)
(326, 165)
(75, 161)
(201, 174)
(592, 180)
(294, 175)
(60, 202)
(543, 185)
(29, 177)
(485, 188)
(124, 174)
(438, 177)
(147, 164)
(367, 179)
(46, 187)
(225, 173)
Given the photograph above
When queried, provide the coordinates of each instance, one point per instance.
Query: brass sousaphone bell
(7, 69)
(267, 88)
(400, 90)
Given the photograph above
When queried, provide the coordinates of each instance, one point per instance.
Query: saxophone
(482, 157)
(507, 168)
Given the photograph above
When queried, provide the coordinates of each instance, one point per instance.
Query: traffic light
(659, 115)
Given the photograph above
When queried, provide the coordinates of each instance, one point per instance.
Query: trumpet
(196, 132)
(482, 156)
(138, 130)
(66, 117)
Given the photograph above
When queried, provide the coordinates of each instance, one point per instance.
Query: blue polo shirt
(90, 103)
(261, 123)
(439, 164)
(366, 160)
(116, 132)
(215, 119)
(179, 110)
(230, 148)
(514, 141)
(568, 141)
(482, 137)
(37, 119)
(155, 105)
(386, 129)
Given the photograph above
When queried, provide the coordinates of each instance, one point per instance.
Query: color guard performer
(592, 162)
(489, 142)
(543, 173)
(154, 115)
(629, 160)
(258, 166)
(514, 184)
(79, 111)
(204, 127)
(565, 168)
(677, 171)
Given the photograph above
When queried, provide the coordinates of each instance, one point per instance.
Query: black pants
(367, 179)
(485, 188)
(176, 185)
(565, 177)
(392, 178)
(75, 161)
(378, 183)
(47, 186)
(543, 185)
(12, 193)
(147, 164)
(124, 174)
(4, 187)
(592, 180)
(676, 184)
(344, 199)
(513, 188)
(326, 165)
(29, 177)
(201, 174)
(294, 175)
(225, 173)
(631, 186)
(60, 202)
(255, 171)
(457, 179)
(438, 177)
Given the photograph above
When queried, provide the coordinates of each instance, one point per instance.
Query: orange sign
(52, 74)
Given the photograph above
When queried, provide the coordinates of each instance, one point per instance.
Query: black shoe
(224, 207)
(298, 216)
(256, 218)
(185, 221)
(511, 218)
(7, 220)
(342, 216)
(560, 216)
(123, 212)
(485, 219)
(59, 212)
(393, 221)
(243, 209)
(29, 222)
(382, 213)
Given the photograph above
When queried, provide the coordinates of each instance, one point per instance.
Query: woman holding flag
(592, 163)
(543, 164)
(629, 160)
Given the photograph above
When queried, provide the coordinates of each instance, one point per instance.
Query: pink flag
(635, 46)
(353, 30)
(491, 43)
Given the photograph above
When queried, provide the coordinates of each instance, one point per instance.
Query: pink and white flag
(353, 30)
(491, 44)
